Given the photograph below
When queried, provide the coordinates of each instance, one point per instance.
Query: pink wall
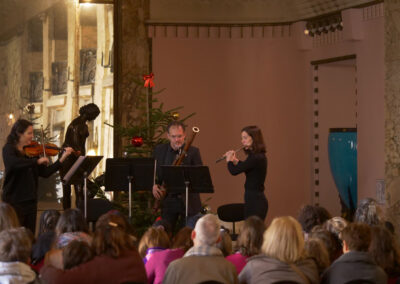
(231, 83)
(234, 83)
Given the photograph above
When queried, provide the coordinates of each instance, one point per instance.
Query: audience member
(368, 212)
(384, 249)
(312, 215)
(71, 226)
(316, 249)
(157, 265)
(116, 259)
(46, 237)
(330, 240)
(203, 262)
(76, 253)
(355, 264)
(225, 244)
(282, 258)
(335, 225)
(15, 251)
(8, 217)
(153, 240)
(248, 242)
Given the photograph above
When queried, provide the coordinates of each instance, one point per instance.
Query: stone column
(392, 110)
(48, 58)
(132, 58)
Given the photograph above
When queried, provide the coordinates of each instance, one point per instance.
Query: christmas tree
(142, 136)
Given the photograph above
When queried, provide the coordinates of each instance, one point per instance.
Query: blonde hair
(283, 240)
(153, 237)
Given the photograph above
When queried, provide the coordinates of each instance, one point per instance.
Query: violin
(35, 149)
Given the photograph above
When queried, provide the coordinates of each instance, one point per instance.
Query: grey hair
(207, 230)
(367, 212)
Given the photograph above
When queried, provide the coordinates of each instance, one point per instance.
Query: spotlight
(306, 32)
(10, 116)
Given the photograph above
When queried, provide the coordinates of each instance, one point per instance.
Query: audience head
(15, 245)
(312, 215)
(207, 231)
(182, 239)
(164, 225)
(8, 217)
(335, 225)
(356, 237)
(152, 238)
(367, 212)
(330, 240)
(75, 253)
(316, 250)
(384, 249)
(250, 238)
(48, 221)
(71, 220)
(283, 240)
(225, 244)
(110, 237)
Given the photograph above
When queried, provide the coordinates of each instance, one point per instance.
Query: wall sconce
(324, 24)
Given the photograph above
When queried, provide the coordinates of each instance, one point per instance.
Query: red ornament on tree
(137, 141)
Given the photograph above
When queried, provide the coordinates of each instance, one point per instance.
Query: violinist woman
(255, 169)
(22, 172)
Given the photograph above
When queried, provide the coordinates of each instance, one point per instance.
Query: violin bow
(42, 139)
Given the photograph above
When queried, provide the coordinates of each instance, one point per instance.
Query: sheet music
(74, 167)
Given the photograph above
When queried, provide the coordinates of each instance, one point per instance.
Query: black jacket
(192, 158)
(22, 174)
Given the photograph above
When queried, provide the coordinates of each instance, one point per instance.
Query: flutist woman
(255, 169)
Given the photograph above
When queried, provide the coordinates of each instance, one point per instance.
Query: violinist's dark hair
(17, 130)
(91, 111)
(258, 140)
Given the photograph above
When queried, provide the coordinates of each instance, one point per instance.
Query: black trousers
(255, 203)
(67, 196)
(26, 212)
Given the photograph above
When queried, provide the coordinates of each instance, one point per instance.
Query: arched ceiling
(245, 11)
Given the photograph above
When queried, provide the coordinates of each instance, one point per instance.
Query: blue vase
(342, 148)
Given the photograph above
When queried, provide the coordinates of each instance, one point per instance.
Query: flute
(224, 157)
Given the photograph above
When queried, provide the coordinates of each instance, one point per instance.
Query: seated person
(158, 263)
(15, 252)
(282, 256)
(116, 259)
(75, 253)
(204, 261)
(248, 242)
(356, 263)
(152, 241)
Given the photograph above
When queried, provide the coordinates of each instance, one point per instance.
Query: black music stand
(124, 173)
(81, 169)
(193, 179)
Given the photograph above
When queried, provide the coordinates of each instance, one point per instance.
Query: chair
(97, 207)
(233, 212)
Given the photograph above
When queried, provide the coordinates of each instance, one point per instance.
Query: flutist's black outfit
(173, 205)
(255, 169)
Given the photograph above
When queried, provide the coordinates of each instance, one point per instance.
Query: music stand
(124, 173)
(81, 169)
(179, 179)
